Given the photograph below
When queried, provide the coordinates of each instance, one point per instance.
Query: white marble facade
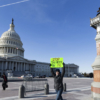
(12, 57)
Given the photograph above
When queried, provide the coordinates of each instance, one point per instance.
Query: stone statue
(98, 11)
(12, 20)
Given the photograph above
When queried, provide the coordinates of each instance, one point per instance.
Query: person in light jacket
(58, 81)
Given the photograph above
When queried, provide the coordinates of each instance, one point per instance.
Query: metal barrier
(32, 84)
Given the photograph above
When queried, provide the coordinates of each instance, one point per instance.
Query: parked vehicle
(40, 76)
(43, 76)
(37, 77)
(74, 75)
(50, 76)
(29, 75)
(23, 76)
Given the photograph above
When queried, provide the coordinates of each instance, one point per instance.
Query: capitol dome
(10, 43)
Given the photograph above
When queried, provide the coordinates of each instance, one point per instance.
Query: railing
(31, 84)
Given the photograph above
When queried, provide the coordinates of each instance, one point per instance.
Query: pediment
(18, 58)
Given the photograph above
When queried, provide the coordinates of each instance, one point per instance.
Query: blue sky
(53, 28)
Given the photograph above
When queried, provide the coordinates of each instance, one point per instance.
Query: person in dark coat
(5, 80)
(58, 81)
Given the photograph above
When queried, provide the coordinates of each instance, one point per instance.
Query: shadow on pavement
(72, 90)
(54, 99)
(35, 96)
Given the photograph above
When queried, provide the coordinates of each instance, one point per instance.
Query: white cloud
(13, 3)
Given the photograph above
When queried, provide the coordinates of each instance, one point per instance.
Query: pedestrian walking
(5, 80)
(58, 81)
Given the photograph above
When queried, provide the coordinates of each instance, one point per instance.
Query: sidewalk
(44, 97)
(86, 98)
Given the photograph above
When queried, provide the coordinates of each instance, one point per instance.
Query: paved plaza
(77, 89)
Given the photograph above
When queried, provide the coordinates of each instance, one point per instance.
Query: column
(30, 67)
(6, 64)
(16, 66)
(24, 67)
(12, 66)
(7, 49)
(17, 51)
(1, 50)
(2, 66)
(21, 66)
(4, 49)
(10, 50)
(27, 66)
(68, 69)
(14, 51)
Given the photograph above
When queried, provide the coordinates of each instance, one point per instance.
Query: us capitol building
(12, 60)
